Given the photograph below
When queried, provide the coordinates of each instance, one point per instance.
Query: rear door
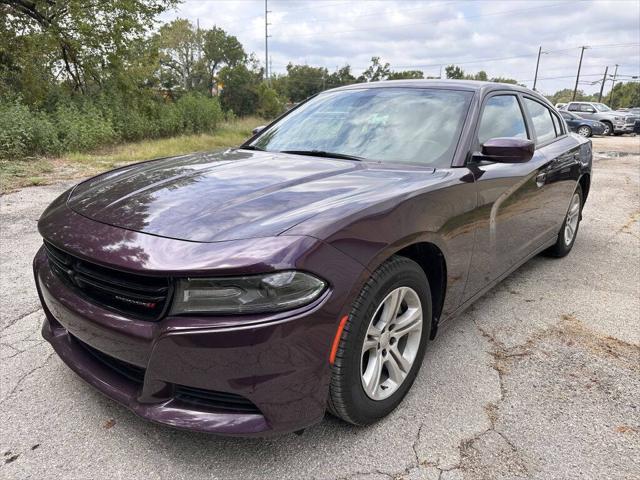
(557, 180)
(513, 198)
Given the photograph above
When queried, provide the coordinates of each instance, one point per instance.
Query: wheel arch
(432, 261)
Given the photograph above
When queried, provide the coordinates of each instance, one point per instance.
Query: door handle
(541, 178)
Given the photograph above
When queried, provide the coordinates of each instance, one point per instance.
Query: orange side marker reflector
(336, 339)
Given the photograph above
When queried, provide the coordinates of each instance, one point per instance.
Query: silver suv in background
(615, 122)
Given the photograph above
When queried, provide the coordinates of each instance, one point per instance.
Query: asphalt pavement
(540, 379)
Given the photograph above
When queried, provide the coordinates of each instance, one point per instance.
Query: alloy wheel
(573, 216)
(391, 344)
(584, 131)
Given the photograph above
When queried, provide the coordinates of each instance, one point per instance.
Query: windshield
(412, 125)
(601, 107)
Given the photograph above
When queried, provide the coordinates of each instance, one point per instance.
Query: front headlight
(273, 292)
(618, 119)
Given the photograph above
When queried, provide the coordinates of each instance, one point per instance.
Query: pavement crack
(25, 376)
(13, 321)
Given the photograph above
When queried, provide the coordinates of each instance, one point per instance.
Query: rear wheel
(382, 344)
(584, 131)
(569, 230)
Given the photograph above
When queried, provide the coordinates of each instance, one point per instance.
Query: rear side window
(502, 117)
(574, 107)
(542, 122)
(557, 123)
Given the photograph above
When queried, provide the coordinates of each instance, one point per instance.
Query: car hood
(229, 195)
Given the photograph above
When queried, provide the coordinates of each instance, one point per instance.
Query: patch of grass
(15, 174)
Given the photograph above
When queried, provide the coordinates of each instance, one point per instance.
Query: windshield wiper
(322, 153)
(251, 147)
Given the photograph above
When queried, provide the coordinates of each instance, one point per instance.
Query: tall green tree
(454, 72)
(304, 81)
(179, 44)
(376, 71)
(220, 49)
(624, 95)
(83, 38)
(342, 76)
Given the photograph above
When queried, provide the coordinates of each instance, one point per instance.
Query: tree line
(77, 75)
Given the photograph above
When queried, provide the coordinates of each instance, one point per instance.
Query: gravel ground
(540, 379)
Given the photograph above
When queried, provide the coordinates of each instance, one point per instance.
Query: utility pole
(575, 89)
(604, 80)
(535, 78)
(266, 41)
(613, 84)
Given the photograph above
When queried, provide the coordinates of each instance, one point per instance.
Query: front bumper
(623, 128)
(277, 363)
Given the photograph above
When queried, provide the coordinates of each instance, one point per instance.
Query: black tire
(608, 128)
(561, 248)
(347, 397)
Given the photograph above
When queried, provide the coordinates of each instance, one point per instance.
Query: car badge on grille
(136, 302)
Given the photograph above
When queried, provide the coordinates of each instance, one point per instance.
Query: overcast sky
(500, 37)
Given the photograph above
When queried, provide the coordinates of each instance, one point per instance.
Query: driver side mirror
(257, 130)
(508, 150)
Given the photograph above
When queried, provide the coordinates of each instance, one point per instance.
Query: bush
(83, 129)
(80, 124)
(270, 105)
(24, 133)
(199, 113)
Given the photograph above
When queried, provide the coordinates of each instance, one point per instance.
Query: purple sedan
(248, 291)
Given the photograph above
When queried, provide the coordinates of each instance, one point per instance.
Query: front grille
(127, 370)
(229, 402)
(139, 296)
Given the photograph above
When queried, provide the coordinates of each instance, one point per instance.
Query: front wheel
(569, 230)
(382, 344)
(608, 128)
(584, 131)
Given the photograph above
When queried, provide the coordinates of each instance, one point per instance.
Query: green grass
(15, 174)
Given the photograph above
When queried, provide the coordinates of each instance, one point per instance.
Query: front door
(511, 197)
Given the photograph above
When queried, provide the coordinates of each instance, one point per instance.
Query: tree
(454, 72)
(179, 45)
(406, 75)
(341, 76)
(376, 71)
(86, 36)
(220, 49)
(504, 80)
(625, 95)
(566, 94)
(304, 81)
(239, 89)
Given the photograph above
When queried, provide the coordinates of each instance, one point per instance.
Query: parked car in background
(245, 292)
(582, 126)
(615, 122)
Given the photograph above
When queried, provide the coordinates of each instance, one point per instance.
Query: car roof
(469, 85)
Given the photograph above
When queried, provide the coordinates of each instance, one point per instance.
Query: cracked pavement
(540, 379)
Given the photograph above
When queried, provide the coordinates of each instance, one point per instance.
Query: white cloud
(424, 35)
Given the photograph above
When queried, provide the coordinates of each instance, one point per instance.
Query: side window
(542, 123)
(557, 123)
(566, 116)
(501, 117)
(587, 108)
(574, 107)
